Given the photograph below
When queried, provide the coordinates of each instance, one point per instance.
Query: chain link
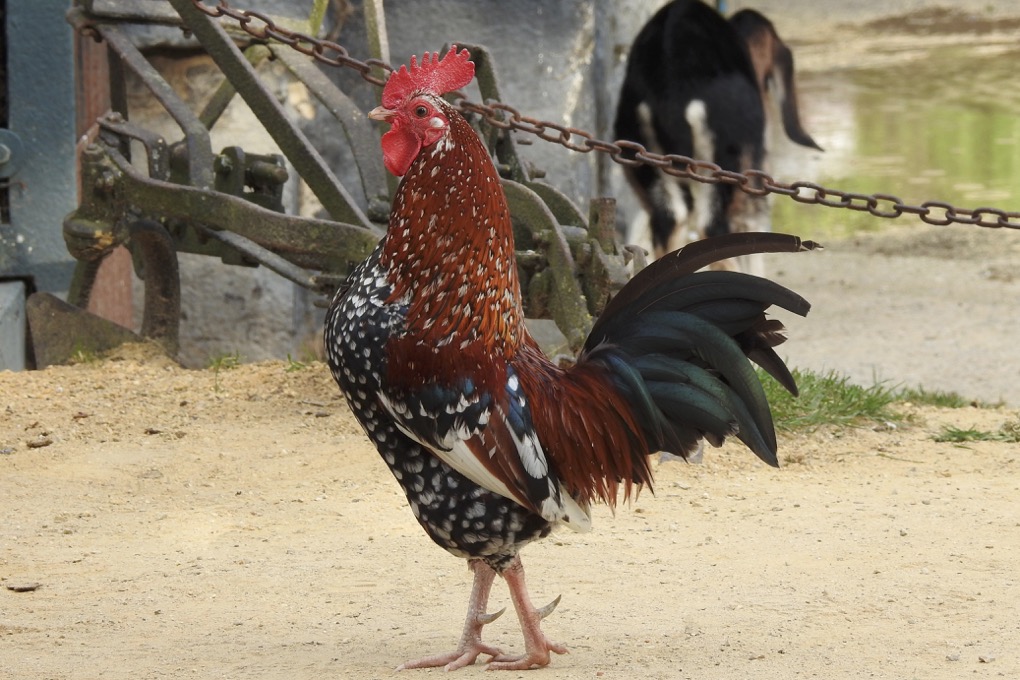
(626, 153)
(262, 27)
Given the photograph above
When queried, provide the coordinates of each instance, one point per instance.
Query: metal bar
(317, 244)
(118, 93)
(602, 223)
(378, 38)
(83, 280)
(306, 160)
(120, 130)
(361, 137)
(503, 141)
(137, 12)
(162, 312)
(264, 257)
(224, 94)
(196, 136)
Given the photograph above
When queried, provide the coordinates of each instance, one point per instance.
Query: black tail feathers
(679, 343)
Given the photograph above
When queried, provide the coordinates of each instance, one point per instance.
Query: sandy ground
(183, 523)
(912, 306)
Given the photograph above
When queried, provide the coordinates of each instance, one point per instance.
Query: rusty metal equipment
(228, 203)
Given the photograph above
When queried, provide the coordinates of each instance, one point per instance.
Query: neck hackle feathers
(434, 75)
(449, 247)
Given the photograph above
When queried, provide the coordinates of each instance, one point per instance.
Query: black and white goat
(697, 85)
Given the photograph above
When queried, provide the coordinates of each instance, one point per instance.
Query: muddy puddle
(930, 116)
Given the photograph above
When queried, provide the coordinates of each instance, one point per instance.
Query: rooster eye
(421, 111)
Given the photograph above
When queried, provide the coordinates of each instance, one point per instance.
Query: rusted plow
(190, 198)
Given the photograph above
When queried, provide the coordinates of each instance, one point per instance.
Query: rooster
(492, 443)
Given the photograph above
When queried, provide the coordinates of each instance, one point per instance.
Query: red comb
(434, 75)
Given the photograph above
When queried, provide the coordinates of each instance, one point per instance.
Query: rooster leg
(536, 645)
(471, 644)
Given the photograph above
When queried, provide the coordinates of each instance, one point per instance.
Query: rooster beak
(381, 113)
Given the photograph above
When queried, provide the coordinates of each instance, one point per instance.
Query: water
(944, 126)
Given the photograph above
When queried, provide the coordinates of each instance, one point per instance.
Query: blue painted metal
(12, 325)
(43, 188)
(10, 153)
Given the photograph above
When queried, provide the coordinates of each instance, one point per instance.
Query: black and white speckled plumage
(459, 515)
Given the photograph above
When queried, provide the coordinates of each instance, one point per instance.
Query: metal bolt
(106, 183)
(223, 164)
(5, 153)
(263, 172)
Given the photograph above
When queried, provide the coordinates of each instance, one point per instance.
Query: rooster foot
(471, 645)
(468, 651)
(536, 657)
(465, 655)
(537, 646)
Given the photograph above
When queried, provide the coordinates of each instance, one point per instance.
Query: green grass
(223, 362)
(1009, 432)
(829, 399)
(294, 365)
(925, 397)
(82, 354)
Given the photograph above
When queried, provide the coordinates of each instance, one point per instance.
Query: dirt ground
(911, 306)
(235, 524)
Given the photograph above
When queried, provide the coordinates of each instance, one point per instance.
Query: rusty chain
(504, 116)
(262, 27)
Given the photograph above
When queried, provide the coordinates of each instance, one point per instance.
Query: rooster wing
(489, 437)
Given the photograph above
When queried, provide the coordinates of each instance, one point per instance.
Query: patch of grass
(81, 355)
(926, 397)
(294, 365)
(1009, 432)
(224, 362)
(828, 399)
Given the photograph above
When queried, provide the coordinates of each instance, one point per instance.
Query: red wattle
(399, 150)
